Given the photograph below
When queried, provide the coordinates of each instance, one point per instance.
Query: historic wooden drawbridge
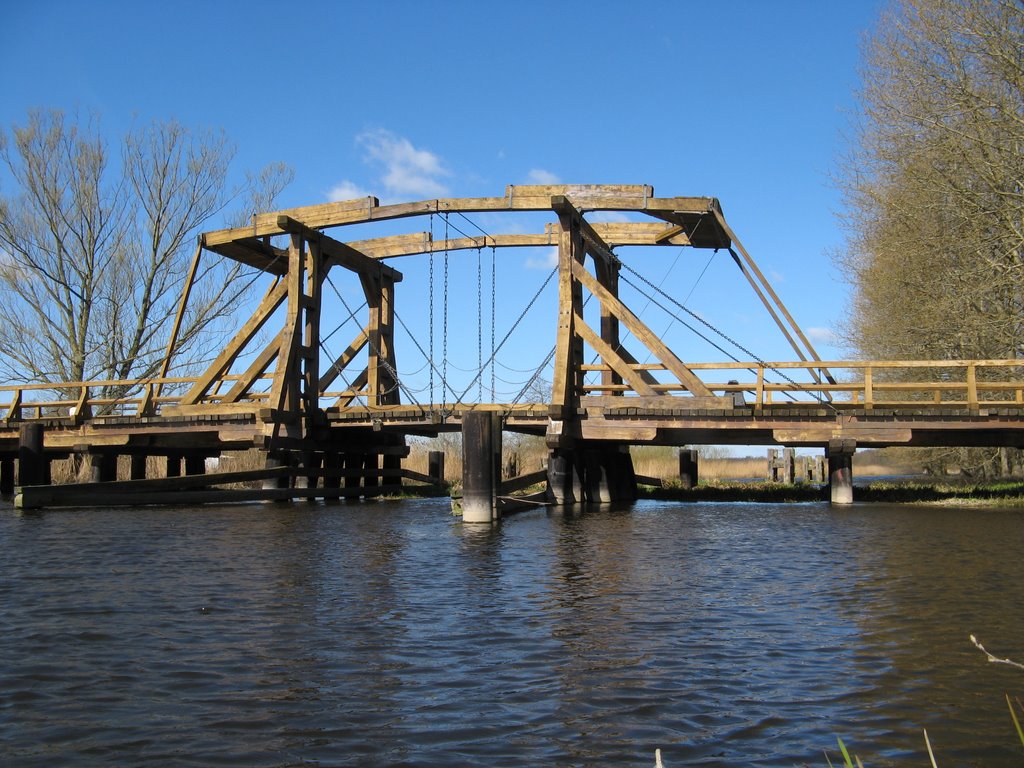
(335, 425)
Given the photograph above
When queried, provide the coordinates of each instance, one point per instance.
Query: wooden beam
(256, 369)
(337, 253)
(596, 247)
(643, 334)
(271, 301)
(566, 373)
(613, 197)
(612, 358)
(611, 233)
(343, 360)
(172, 341)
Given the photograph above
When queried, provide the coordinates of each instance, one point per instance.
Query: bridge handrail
(870, 379)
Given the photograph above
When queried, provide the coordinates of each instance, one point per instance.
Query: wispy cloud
(609, 217)
(399, 170)
(547, 260)
(541, 176)
(346, 190)
(406, 170)
(822, 335)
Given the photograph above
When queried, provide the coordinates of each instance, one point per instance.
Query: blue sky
(745, 101)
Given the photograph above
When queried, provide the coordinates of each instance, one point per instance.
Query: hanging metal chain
(479, 328)
(492, 321)
(430, 322)
(444, 335)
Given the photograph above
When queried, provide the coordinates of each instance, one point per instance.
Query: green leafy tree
(934, 189)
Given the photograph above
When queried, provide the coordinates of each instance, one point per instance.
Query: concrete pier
(840, 472)
(481, 466)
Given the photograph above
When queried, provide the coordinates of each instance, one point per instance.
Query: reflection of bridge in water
(325, 440)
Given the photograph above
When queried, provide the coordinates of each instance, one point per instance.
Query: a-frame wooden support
(577, 239)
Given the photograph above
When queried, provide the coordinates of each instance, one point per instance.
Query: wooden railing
(970, 384)
(845, 384)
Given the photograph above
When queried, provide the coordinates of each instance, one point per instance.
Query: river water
(389, 634)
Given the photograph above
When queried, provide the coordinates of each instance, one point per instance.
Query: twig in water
(657, 759)
(994, 659)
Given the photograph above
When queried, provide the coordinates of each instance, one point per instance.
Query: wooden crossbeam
(612, 233)
(354, 348)
(256, 369)
(612, 358)
(624, 197)
(337, 253)
(271, 301)
(641, 331)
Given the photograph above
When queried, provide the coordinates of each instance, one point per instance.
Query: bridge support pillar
(564, 476)
(840, 471)
(435, 466)
(6, 476)
(332, 466)
(137, 471)
(481, 466)
(688, 468)
(32, 463)
(593, 473)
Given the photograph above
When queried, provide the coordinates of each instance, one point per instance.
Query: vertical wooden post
(608, 276)
(108, 467)
(688, 468)
(195, 464)
(137, 466)
(568, 345)
(174, 465)
(6, 476)
(380, 299)
(480, 473)
(311, 337)
(788, 465)
(332, 465)
(31, 459)
(972, 387)
(435, 466)
(353, 475)
(371, 478)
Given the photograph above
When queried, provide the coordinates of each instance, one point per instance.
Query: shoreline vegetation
(879, 476)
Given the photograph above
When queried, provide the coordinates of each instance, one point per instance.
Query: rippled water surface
(389, 634)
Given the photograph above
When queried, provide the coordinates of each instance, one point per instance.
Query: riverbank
(945, 493)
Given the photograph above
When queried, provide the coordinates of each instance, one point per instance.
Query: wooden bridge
(335, 425)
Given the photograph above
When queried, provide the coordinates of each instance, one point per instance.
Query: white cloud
(346, 190)
(609, 217)
(549, 260)
(540, 176)
(822, 335)
(407, 171)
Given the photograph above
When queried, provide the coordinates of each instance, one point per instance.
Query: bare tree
(94, 250)
(934, 186)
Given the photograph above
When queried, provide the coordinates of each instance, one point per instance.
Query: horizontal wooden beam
(338, 253)
(634, 197)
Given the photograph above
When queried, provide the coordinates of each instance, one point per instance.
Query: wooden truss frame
(291, 357)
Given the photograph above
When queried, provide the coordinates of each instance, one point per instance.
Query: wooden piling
(688, 468)
(6, 476)
(435, 466)
(137, 469)
(32, 463)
